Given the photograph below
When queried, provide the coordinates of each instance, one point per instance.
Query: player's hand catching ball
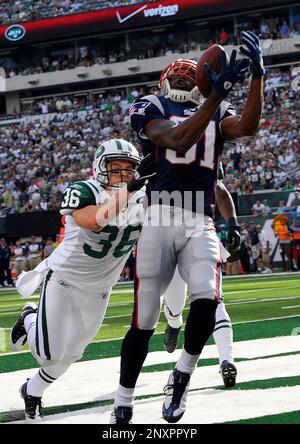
(252, 49)
(230, 74)
(145, 170)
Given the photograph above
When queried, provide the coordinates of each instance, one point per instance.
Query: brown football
(212, 56)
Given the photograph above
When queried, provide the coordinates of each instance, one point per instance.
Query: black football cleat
(228, 372)
(171, 338)
(121, 415)
(33, 405)
(18, 335)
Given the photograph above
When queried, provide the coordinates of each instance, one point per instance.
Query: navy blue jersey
(197, 170)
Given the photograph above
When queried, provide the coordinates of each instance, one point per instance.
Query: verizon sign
(162, 11)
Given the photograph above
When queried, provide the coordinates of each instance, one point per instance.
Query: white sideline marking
(204, 407)
(97, 380)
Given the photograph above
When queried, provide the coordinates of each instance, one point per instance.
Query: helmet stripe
(119, 145)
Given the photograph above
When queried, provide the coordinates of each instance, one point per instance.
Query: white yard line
(75, 387)
(203, 407)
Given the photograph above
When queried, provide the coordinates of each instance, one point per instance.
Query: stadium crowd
(42, 154)
(89, 54)
(12, 11)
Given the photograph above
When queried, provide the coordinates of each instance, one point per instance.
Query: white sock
(222, 334)
(187, 363)
(124, 397)
(223, 338)
(30, 327)
(29, 321)
(38, 384)
(45, 377)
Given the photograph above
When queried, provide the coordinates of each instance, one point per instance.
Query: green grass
(257, 309)
(282, 418)
(268, 295)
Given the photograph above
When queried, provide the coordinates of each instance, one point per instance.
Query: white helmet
(114, 149)
(183, 68)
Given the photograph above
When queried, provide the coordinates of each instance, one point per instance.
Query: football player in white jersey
(103, 221)
(175, 296)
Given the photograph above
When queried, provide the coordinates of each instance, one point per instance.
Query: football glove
(234, 239)
(230, 74)
(253, 50)
(145, 170)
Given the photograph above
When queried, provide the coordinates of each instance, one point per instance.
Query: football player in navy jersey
(175, 296)
(186, 133)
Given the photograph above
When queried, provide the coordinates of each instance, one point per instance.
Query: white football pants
(159, 250)
(65, 324)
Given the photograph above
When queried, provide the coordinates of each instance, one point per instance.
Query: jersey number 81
(191, 155)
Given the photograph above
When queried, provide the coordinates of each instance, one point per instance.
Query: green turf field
(261, 308)
(247, 299)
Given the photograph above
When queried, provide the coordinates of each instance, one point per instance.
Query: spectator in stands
(265, 247)
(7, 199)
(48, 248)
(267, 209)
(223, 37)
(288, 186)
(19, 258)
(5, 264)
(281, 208)
(295, 244)
(34, 253)
(282, 232)
(296, 200)
(258, 208)
(245, 249)
(284, 30)
(265, 29)
(254, 243)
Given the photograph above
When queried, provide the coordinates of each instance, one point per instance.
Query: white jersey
(89, 259)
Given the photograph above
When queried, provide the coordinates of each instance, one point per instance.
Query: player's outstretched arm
(183, 136)
(96, 217)
(235, 127)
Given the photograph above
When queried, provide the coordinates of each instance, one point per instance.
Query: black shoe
(121, 415)
(33, 405)
(176, 394)
(228, 372)
(171, 338)
(18, 335)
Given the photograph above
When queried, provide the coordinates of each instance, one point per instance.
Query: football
(212, 56)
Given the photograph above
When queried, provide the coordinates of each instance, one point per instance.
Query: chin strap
(180, 96)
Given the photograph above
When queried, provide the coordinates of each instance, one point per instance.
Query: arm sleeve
(226, 110)
(142, 112)
(77, 196)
